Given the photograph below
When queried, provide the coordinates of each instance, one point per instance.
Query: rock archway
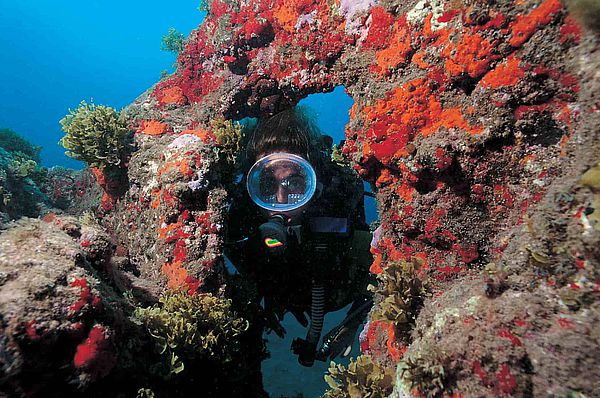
(474, 120)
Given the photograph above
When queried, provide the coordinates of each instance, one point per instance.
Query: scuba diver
(297, 233)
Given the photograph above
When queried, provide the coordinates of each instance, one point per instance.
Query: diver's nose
(282, 195)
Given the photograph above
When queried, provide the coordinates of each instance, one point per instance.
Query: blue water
(53, 54)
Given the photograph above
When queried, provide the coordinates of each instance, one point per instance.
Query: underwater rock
(62, 321)
(475, 121)
(74, 192)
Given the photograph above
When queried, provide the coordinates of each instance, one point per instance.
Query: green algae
(402, 292)
(173, 41)
(189, 326)
(204, 5)
(363, 378)
(96, 134)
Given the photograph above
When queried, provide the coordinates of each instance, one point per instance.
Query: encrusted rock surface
(63, 324)
(475, 122)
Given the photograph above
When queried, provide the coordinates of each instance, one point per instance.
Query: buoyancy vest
(331, 244)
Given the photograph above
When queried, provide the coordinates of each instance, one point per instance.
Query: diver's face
(286, 182)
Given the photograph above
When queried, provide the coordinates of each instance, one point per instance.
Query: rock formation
(476, 122)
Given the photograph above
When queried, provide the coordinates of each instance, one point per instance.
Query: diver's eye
(269, 185)
(294, 184)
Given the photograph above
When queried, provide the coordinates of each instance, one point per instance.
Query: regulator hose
(306, 349)
(317, 313)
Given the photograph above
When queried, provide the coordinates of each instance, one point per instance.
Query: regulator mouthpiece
(274, 235)
(281, 182)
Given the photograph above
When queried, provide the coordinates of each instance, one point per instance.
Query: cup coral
(96, 134)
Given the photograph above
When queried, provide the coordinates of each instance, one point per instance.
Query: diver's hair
(288, 131)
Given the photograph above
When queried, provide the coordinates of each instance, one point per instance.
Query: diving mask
(281, 182)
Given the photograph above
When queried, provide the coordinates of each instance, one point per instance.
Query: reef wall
(476, 122)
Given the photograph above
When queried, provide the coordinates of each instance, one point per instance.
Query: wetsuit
(329, 245)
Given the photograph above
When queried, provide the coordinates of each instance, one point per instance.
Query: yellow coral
(228, 136)
(97, 135)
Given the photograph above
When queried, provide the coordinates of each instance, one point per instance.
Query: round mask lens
(281, 182)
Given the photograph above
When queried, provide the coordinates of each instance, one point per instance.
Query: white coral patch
(200, 182)
(184, 141)
(306, 19)
(152, 169)
(418, 13)
(349, 8)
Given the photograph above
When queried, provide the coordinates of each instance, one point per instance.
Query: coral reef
(27, 189)
(13, 142)
(19, 193)
(476, 123)
(22, 179)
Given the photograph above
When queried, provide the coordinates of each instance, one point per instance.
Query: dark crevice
(427, 182)
(497, 143)
(466, 83)
(454, 177)
(195, 200)
(540, 129)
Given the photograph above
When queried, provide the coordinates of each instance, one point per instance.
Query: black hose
(317, 313)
